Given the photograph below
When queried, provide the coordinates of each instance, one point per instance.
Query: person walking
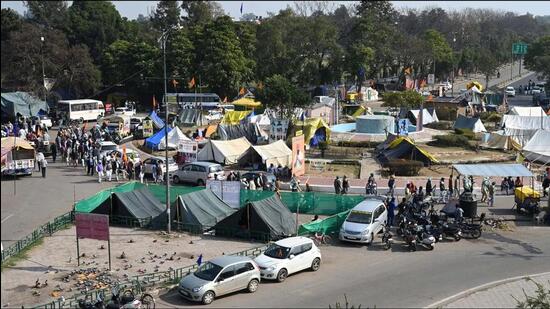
(450, 186)
(345, 185)
(115, 167)
(265, 182)
(491, 193)
(391, 186)
(39, 159)
(429, 187)
(337, 185)
(484, 189)
(294, 183)
(99, 170)
(155, 169)
(108, 170)
(252, 185)
(160, 172)
(44, 164)
(442, 190)
(54, 152)
(391, 211)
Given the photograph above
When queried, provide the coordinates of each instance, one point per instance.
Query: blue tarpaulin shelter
(153, 141)
(157, 122)
(22, 103)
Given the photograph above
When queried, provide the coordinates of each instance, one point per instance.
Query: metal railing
(47, 229)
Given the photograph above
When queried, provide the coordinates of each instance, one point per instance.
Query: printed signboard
(431, 79)
(227, 191)
(298, 156)
(93, 226)
(188, 151)
(519, 48)
(147, 128)
(278, 130)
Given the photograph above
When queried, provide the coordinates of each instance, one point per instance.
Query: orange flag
(154, 103)
(242, 91)
(174, 83)
(225, 100)
(124, 157)
(191, 83)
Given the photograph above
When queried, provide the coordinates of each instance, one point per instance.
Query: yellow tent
(397, 153)
(310, 126)
(8, 142)
(247, 102)
(474, 83)
(234, 117)
(360, 111)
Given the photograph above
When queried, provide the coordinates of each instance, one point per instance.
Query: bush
(469, 134)
(402, 167)
(446, 113)
(442, 125)
(365, 144)
(450, 140)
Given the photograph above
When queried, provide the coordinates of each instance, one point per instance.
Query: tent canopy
(268, 216)
(499, 140)
(22, 103)
(536, 111)
(175, 137)
(526, 122)
(201, 208)
(11, 142)
(234, 117)
(473, 124)
(538, 147)
(275, 153)
(314, 129)
(426, 116)
(247, 102)
(261, 120)
(405, 148)
(250, 131)
(224, 152)
(157, 122)
(191, 117)
(493, 170)
(154, 141)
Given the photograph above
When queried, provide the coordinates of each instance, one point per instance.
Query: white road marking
(6, 218)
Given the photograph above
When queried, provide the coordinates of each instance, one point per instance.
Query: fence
(139, 282)
(44, 230)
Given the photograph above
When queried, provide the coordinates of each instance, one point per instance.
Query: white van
(364, 221)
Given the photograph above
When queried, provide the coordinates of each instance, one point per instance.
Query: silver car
(220, 276)
(198, 173)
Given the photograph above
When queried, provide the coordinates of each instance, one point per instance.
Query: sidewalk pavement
(499, 294)
(505, 77)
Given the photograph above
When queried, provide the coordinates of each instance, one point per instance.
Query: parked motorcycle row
(419, 225)
(125, 301)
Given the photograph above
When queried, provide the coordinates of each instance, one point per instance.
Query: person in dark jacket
(345, 185)
(337, 185)
(429, 187)
(54, 152)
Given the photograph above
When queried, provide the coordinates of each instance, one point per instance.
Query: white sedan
(288, 256)
(510, 92)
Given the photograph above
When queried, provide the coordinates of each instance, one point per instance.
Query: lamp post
(453, 76)
(162, 40)
(43, 74)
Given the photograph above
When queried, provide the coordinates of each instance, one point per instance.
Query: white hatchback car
(288, 256)
(364, 221)
(510, 91)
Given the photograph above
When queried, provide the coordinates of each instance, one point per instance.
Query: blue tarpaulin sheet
(493, 170)
(153, 141)
(157, 122)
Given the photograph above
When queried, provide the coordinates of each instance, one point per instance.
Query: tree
(94, 23)
(442, 53)
(487, 65)
(220, 60)
(11, 21)
(200, 12)
(166, 15)
(50, 14)
(538, 57)
(282, 96)
(408, 99)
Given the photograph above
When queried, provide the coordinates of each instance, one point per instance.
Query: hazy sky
(132, 9)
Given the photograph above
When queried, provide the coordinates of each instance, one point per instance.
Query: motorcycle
(410, 238)
(126, 301)
(372, 189)
(424, 239)
(387, 238)
(470, 230)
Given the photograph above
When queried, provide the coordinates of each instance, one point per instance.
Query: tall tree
(282, 96)
(441, 52)
(201, 12)
(11, 21)
(50, 14)
(538, 57)
(166, 15)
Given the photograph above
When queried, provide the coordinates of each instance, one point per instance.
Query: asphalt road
(396, 278)
(522, 99)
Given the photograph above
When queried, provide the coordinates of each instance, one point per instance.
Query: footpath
(498, 294)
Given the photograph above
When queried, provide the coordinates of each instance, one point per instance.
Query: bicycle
(321, 239)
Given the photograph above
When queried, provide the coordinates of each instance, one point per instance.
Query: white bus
(82, 110)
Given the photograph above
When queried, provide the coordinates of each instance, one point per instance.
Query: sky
(132, 9)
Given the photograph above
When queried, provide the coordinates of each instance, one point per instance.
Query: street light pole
(43, 74)
(164, 38)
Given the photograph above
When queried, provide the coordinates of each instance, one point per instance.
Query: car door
(199, 173)
(294, 264)
(242, 275)
(376, 220)
(224, 282)
(306, 256)
(186, 174)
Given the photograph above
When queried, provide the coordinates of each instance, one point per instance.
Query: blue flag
(303, 116)
(241, 8)
(199, 260)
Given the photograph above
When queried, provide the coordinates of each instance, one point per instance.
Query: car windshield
(356, 216)
(108, 147)
(208, 271)
(216, 168)
(277, 252)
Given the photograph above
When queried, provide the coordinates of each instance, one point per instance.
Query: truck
(18, 156)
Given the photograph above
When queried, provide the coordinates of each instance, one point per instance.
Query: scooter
(424, 239)
(387, 238)
(410, 238)
(470, 230)
(372, 189)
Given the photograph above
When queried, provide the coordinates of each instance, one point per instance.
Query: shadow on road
(501, 251)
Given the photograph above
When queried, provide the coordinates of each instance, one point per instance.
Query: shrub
(442, 125)
(402, 167)
(446, 113)
(450, 140)
(469, 134)
(365, 144)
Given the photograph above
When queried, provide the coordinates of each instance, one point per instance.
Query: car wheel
(371, 239)
(81, 120)
(316, 264)
(208, 297)
(200, 182)
(176, 179)
(457, 237)
(253, 285)
(281, 276)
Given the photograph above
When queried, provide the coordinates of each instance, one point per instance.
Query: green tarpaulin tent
(22, 103)
(329, 225)
(201, 209)
(137, 204)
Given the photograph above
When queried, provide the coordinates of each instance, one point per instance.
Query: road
(522, 99)
(396, 278)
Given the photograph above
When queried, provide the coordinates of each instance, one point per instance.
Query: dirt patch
(133, 252)
(333, 170)
(457, 155)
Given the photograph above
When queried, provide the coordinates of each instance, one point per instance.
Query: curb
(466, 293)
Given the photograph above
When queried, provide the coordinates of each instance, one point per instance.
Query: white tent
(526, 122)
(520, 136)
(426, 116)
(276, 153)
(536, 111)
(499, 140)
(261, 120)
(175, 137)
(538, 147)
(224, 152)
(473, 124)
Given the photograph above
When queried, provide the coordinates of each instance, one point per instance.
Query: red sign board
(93, 226)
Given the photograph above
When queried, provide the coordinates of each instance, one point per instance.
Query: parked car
(135, 122)
(127, 111)
(214, 115)
(510, 92)
(130, 153)
(536, 90)
(288, 256)
(198, 172)
(254, 175)
(105, 147)
(150, 163)
(364, 221)
(219, 276)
